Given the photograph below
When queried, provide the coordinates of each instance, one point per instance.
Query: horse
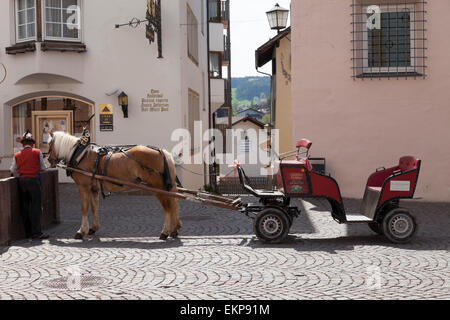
(139, 164)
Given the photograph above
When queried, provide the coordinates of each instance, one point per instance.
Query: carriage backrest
(408, 163)
(303, 143)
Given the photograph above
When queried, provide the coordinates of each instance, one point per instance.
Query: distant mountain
(250, 92)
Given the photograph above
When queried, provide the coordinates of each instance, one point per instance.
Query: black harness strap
(84, 142)
(105, 170)
(143, 166)
(80, 149)
(167, 179)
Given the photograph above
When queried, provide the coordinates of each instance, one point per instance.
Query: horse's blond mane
(64, 143)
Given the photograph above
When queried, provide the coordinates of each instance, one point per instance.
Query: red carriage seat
(305, 143)
(408, 163)
(376, 181)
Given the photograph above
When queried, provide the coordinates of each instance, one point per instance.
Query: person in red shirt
(28, 163)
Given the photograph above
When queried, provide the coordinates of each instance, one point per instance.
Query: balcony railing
(218, 10)
(224, 8)
(226, 50)
(227, 102)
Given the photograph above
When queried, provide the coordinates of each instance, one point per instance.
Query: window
(214, 10)
(390, 46)
(389, 39)
(62, 20)
(215, 65)
(25, 20)
(193, 114)
(192, 35)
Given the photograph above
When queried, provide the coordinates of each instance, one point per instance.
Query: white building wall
(116, 59)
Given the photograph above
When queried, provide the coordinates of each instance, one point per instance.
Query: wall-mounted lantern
(278, 17)
(123, 102)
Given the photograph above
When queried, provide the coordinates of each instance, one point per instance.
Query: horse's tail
(172, 170)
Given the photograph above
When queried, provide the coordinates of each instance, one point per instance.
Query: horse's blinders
(53, 161)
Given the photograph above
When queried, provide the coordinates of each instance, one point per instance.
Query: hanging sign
(106, 117)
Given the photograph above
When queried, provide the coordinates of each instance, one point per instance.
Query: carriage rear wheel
(271, 225)
(399, 225)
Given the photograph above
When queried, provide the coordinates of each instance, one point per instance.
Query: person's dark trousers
(31, 205)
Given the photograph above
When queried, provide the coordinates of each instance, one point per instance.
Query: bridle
(50, 158)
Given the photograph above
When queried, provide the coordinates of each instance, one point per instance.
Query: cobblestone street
(218, 257)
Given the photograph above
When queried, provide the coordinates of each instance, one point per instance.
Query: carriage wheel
(376, 227)
(399, 225)
(271, 225)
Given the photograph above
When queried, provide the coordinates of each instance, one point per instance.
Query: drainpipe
(270, 98)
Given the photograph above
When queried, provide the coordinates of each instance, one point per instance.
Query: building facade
(219, 74)
(65, 64)
(370, 83)
(278, 51)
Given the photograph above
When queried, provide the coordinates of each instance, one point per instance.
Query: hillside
(250, 92)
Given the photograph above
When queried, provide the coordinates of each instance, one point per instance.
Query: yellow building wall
(283, 116)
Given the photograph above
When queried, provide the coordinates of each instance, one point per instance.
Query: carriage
(380, 207)
(121, 167)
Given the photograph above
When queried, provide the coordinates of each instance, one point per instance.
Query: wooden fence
(11, 224)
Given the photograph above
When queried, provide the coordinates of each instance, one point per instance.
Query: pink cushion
(303, 143)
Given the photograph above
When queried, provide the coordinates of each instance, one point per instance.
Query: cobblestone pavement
(218, 257)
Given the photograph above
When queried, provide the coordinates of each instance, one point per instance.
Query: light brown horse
(131, 169)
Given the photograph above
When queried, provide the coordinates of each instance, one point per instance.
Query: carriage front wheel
(271, 225)
(399, 225)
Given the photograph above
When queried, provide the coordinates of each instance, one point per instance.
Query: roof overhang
(265, 52)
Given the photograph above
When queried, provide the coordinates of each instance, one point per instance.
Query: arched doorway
(45, 113)
(41, 115)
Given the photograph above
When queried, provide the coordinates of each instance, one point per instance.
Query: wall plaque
(155, 102)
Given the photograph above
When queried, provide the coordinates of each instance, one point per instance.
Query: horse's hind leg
(175, 219)
(94, 208)
(171, 221)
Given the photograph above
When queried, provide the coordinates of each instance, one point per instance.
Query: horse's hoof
(174, 234)
(79, 236)
(163, 236)
(91, 231)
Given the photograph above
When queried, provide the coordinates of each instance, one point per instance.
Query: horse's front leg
(94, 208)
(84, 229)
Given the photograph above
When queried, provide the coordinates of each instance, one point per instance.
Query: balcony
(216, 37)
(217, 94)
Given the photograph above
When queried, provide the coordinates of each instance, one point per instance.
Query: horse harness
(82, 146)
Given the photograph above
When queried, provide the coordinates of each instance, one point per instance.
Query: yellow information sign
(106, 117)
(106, 109)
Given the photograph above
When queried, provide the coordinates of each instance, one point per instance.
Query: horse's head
(52, 157)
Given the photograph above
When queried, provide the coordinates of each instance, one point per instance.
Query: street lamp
(277, 17)
(123, 102)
